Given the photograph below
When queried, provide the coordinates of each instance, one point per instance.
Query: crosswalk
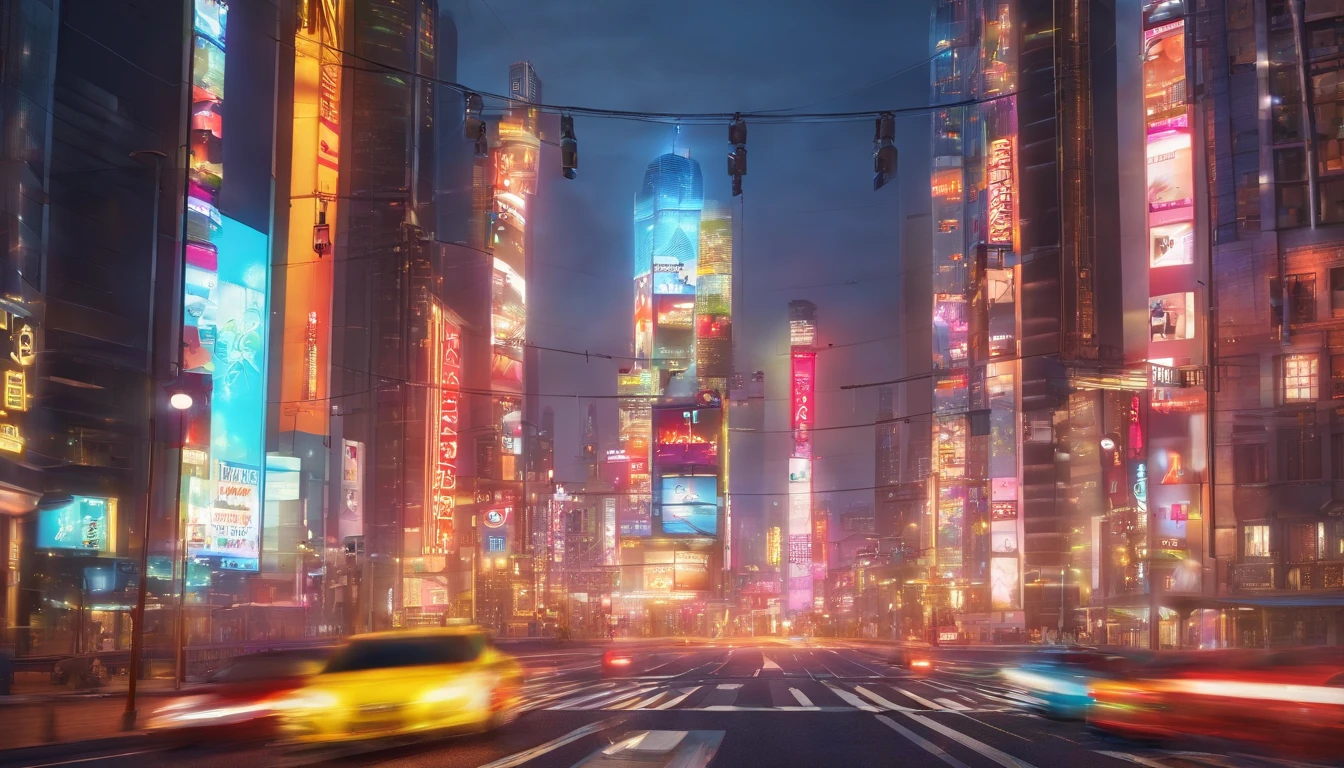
(765, 694)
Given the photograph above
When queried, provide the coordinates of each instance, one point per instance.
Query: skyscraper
(714, 299)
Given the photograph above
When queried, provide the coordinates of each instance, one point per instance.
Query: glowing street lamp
(180, 401)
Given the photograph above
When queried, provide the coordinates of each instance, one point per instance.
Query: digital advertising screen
(227, 526)
(85, 524)
(690, 572)
(687, 435)
(1005, 585)
(690, 505)
(800, 470)
(672, 275)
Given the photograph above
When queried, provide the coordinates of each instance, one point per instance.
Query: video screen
(690, 505)
(687, 435)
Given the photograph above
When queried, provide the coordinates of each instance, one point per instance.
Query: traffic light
(737, 159)
(884, 150)
(569, 147)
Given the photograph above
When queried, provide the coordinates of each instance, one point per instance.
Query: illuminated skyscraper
(714, 299)
(667, 247)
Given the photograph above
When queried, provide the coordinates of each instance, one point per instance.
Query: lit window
(1256, 541)
(1299, 378)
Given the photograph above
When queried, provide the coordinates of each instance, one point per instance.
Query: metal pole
(179, 655)
(138, 619)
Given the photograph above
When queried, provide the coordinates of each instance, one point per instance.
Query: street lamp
(180, 401)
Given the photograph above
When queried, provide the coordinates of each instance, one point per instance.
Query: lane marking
(851, 699)
(670, 703)
(921, 742)
(938, 687)
(554, 744)
(739, 708)
(728, 686)
(956, 705)
(769, 663)
(615, 701)
(91, 759)
(757, 673)
(801, 699)
(1002, 758)
(917, 698)
(1130, 758)
(638, 703)
(879, 700)
(724, 664)
(857, 664)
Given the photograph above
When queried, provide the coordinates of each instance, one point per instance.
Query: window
(1290, 205)
(1255, 541)
(1337, 379)
(1305, 541)
(1299, 378)
(1250, 463)
(1299, 455)
(1302, 298)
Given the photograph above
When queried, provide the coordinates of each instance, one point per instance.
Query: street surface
(738, 703)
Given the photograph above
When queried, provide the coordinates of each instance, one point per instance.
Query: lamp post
(138, 620)
(181, 402)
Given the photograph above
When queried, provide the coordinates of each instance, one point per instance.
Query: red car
(237, 702)
(1291, 701)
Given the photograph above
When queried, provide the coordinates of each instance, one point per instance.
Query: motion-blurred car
(239, 699)
(422, 681)
(916, 659)
(1289, 700)
(617, 663)
(1057, 682)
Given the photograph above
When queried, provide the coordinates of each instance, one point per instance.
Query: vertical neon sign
(444, 443)
(801, 415)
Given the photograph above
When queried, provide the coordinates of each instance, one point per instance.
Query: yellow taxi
(404, 683)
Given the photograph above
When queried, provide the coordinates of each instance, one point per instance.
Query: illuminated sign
(10, 439)
(229, 525)
(609, 530)
(800, 470)
(352, 489)
(85, 524)
(16, 391)
(802, 333)
(496, 518)
(773, 545)
(947, 185)
(310, 358)
(800, 401)
(1003, 510)
(25, 344)
(1162, 376)
(1004, 584)
(690, 571)
(1000, 181)
(447, 397)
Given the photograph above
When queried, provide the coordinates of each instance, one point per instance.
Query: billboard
(637, 517)
(690, 571)
(1005, 587)
(689, 505)
(351, 521)
(687, 435)
(674, 275)
(85, 524)
(226, 523)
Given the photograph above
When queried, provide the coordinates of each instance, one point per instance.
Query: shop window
(1250, 463)
(1299, 454)
(1255, 541)
(1300, 378)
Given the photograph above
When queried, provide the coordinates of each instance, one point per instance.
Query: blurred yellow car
(405, 683)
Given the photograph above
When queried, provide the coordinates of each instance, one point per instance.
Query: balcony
(1252, 577)
(1313, 576)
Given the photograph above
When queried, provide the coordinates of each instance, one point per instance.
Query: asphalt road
(729, 704)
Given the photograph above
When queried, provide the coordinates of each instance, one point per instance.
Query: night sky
(814, 229)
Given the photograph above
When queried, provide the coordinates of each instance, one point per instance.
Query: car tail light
(619, 661)
(922, 663)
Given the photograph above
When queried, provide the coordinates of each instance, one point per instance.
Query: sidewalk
(40, 713)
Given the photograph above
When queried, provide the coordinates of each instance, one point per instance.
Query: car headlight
(307, 701)
(470, 690)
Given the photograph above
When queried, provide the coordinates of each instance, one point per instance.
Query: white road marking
(728, 686)
(737, 708)
(857, 664)
(801, 699)
(769, 663)
(1131, 758)
(757, 673)
(554, 744)
(879, 700)
(950, 704)
(91, 759)
(936, 686)
(851, 699)
(917, 698)
(921, 742)
(670, 703)
(1002, 758)
(639, 703)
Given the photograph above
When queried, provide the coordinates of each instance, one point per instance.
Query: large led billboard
(690, 571)
(689, 505)
(687, 435)
(224, 516)
(85, 524)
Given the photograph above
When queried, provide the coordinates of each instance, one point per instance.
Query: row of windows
(1302, 542)
(1301, 297)
(1297, 454)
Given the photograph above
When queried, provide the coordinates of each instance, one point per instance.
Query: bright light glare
(180, 400)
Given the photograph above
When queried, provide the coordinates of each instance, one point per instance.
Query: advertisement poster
(673, 276)
(800, 398)
(1171, 173)
(352, 490)
(644, 317)
(690, 572)
(232, 526)
(609, 531)
(1003, 537)
(1004, 584)
(85, 524)
(690, 506)
(800, 470)
(1172, 245)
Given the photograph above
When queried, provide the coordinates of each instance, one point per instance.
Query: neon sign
(1000, 172)
(444, 484)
